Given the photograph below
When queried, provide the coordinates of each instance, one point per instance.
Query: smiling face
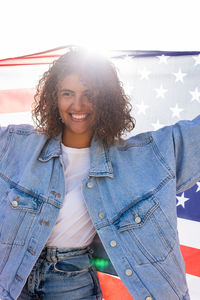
(76, 112)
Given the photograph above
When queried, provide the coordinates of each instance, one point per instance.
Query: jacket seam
(4, 290)
(30, 193)
(167, 278)
(134, 202)
(146, 141)
(5, 148)
(133, 267)
(161, 158)
(13, 129)
(147, 216)
(5, 259)
(183, 186)
(130, 264)
(176, 262)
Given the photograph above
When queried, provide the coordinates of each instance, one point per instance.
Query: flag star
(195, 94)
(198, 189)
(157, 125)
(179, 75)
(197, 59)
(181, 200)
(142, 108)
(176, 110)
(160, 92)
(163, 59)
(144, 73)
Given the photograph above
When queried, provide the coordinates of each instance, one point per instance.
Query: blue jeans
(62, 274)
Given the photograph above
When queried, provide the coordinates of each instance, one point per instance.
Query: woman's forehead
(73, 80)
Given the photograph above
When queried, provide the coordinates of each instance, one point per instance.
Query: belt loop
(51, 254)
(48, 258)
(54, 255)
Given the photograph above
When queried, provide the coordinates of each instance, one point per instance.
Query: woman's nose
(78, 102)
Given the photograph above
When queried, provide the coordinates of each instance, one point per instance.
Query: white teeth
(79, 117)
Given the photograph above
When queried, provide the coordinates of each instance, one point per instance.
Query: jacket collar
(52, 148)
(100, 163)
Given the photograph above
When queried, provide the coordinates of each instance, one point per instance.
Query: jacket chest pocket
(18, 211)
(146, 232)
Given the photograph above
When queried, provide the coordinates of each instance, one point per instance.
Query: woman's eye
(67, 94)
(88, 95)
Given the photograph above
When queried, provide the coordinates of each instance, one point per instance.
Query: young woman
(74, 176)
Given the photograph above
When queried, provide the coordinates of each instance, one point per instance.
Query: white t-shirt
(73, 228)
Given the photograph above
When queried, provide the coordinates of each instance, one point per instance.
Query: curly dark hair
(111, 104)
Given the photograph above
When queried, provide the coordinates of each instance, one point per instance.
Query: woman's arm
(180, 146)
(4, 140)
(186, 135)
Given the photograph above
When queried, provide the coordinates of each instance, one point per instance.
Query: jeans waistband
(53, 254)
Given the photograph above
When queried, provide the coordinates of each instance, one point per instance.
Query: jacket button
(138, 220)
(101, 216)
(90, 185)
(113, 243)
(14, 203)
(148, 298)
(128, 272)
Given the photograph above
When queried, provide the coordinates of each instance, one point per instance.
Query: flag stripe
(17, 100)
(194, 284)
(119, 291)
(112, 283)
(16, 118)
(191, 257)
(34, 59)
(47, 57)
(186, 236)
(21, 77)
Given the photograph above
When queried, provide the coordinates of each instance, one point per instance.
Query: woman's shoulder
(22, 128)
(140, 139)
(21, 133)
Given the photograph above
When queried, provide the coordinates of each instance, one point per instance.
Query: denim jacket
(130, 194)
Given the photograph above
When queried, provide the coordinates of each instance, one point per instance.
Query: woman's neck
(76, 141)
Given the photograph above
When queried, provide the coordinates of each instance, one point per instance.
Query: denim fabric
(61, 274)
(130, 194)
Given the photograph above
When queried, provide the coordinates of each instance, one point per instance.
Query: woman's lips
(79, 117)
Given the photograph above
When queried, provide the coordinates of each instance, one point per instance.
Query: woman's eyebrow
(66, 90)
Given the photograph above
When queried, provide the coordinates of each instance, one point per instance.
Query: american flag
(164, 87)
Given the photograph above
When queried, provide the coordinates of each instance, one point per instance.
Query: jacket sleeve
(179, 144)
(4, 140)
